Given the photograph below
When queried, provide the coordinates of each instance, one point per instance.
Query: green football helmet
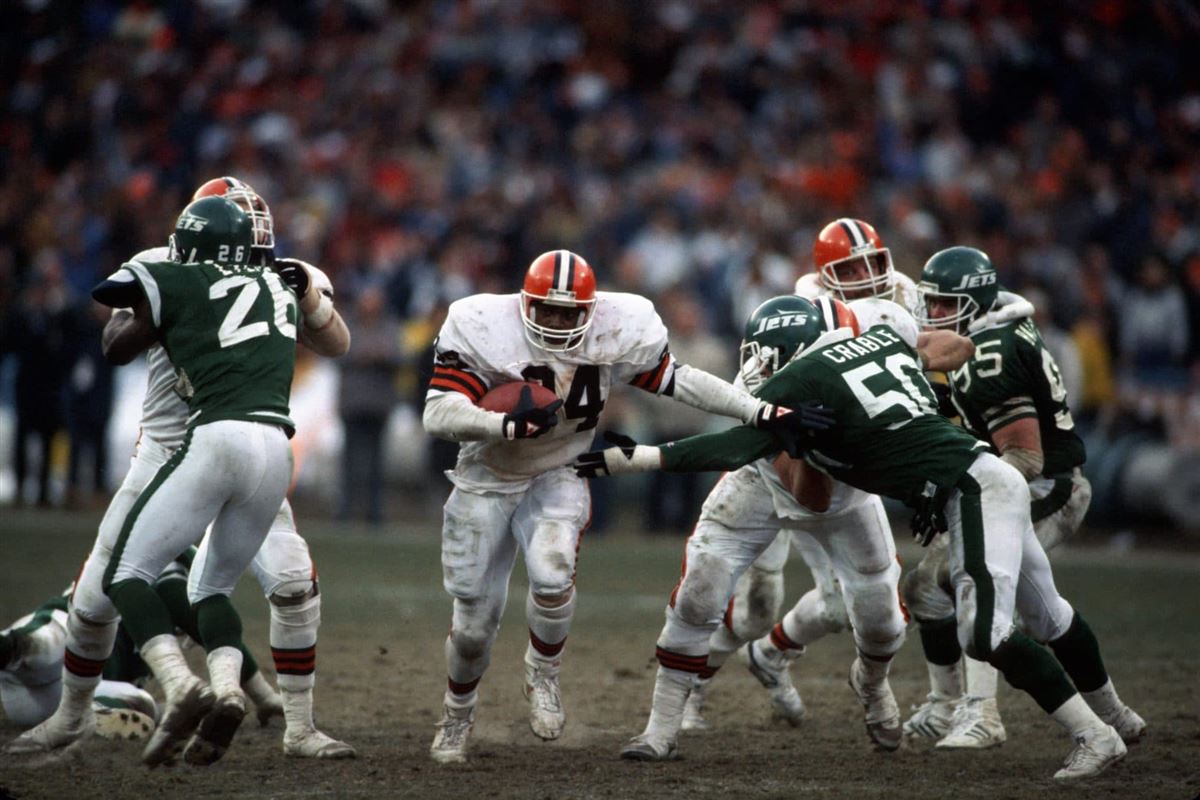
(962, 274)
(212, 229)
(776, 332)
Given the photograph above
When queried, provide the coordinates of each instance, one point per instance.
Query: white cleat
(1094, 752)
(882, 714)
(644, 748)
(1128, 724)
(773, 672)
(314, 744)
(216, 730)
(183, 713)
(450, 744)
(52, 734)
(693, 709)
(976, 726)
(123, 724)
(933, 719)
(546, 716)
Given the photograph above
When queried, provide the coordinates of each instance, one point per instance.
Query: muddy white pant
(738, 524)
(481, 534)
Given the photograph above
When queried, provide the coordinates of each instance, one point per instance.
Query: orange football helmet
(249, 201)
(852, 262)
(836, 314)
(560, 279)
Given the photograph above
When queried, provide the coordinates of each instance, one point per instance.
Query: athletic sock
(225, 670)
(1076, 717)
(164, 657)
(982, 678)
(671, 688)
(548, 629)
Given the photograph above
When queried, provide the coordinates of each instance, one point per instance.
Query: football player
(282, 566)
(850, 262)
(740, 522)
(889, 439)
(513, 489)
(32, 651)
(1011, 395)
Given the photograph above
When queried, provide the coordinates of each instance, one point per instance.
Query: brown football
(504, 398)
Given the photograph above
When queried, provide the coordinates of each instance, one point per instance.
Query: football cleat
(643, 748)
(52, 734)
(693, 709)
(882, 714)
(1094, 752)
(450, 743)
(216, 730)
(1128, 724)
(546, 716)
(772, 671)
(123, 724)
(933, 719)
(314, 744)
(976, 725)
(183, 713)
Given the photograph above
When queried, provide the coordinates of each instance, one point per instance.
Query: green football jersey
(888, 438)
(230, 331)
(1013, 377)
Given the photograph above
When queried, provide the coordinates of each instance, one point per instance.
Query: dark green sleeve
(723, 451)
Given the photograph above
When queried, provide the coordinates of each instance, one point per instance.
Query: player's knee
(704, 592)
(555, 600)
(1050, 622)
(924, 597)
(552, 572)
(293, 593)
(762, 602)
(875, 615)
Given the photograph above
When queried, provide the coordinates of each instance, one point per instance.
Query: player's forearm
(1028, 462)
(330, 340)
(944, 351)
(722, 451)
(452, 416)
(125, 336)
(705, 391)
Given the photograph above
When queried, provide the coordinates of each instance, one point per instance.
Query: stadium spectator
(366, 398)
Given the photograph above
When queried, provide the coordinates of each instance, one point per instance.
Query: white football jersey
(809, 286)
(482, 345)
(164, 412)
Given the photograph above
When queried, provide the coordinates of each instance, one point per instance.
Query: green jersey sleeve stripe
(150, 287)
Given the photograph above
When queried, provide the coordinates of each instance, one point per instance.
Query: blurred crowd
(690, 149)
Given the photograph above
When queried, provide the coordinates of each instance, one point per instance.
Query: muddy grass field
(381, 676)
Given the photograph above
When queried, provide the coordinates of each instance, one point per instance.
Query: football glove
(929, 518)
(807, 416)
(529, 421)
(627, 456)
(294, 273)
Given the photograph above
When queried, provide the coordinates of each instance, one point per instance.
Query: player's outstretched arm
(706, 391)
(723, 451)
(944, 351)
(324, 331)
(128, 333)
